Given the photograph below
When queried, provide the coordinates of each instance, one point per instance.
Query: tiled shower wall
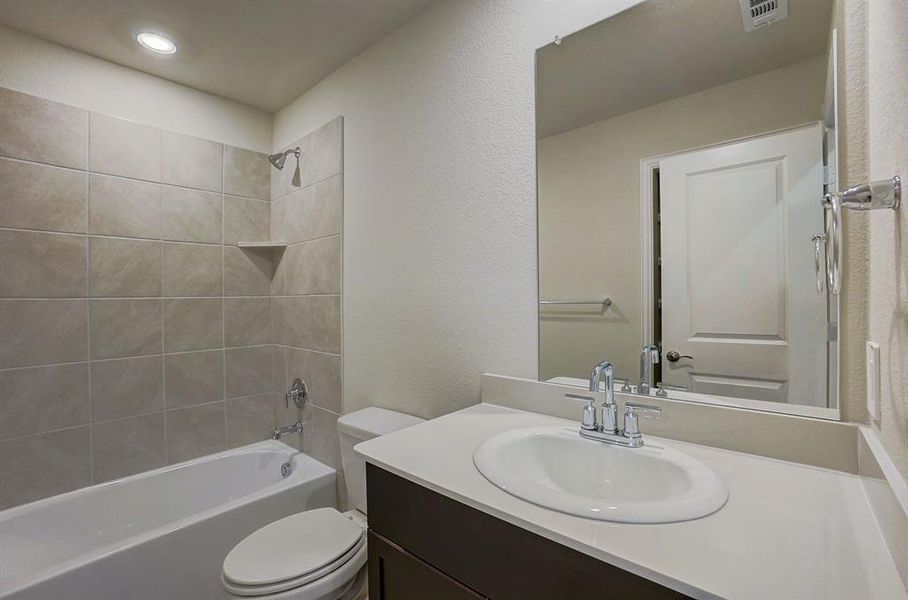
(133, 332)
(306, 292)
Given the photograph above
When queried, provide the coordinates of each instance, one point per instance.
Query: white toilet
(318, 554)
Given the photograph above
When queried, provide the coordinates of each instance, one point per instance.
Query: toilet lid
(291, 548)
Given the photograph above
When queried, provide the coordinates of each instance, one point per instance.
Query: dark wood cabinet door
(395, 574)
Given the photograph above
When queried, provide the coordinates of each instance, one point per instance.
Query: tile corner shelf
(261, 244)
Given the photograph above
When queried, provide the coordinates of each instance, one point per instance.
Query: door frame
(647, 302)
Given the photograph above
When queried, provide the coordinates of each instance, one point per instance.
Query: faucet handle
(588, 421)
(626, 388)
(631, 422)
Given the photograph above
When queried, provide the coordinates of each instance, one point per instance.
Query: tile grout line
(223, 293)
(158, 182)
(161, 274)
(91, 399)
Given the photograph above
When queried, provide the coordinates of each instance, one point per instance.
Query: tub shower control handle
(298, 393)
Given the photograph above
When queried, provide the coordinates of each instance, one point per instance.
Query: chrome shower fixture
(278, 160)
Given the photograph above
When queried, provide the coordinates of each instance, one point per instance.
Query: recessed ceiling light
(156, 43)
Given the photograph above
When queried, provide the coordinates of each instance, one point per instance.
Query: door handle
(674, 356)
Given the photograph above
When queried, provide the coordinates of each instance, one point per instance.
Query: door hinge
(832, 331)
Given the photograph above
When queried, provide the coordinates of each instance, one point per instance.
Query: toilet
(317, 554)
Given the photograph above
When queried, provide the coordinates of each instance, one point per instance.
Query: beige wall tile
(279, 229)
(125, 267)
(320, 439)
(322, 374)
(40, 399)
(313, 212)
(191, 270)
(250, 420)
(298, 365)
(121, 328)
(36, 332)
(246, 220)
(279, 369)
(247, 272)
(125, 207)
(326, 381)
(193, 324)
(247, 321)
(193, 378)
(193, 162)
(321, 159)
(280, 320)
(126, 387)
(246, 173)
(42, 131)
(121, 147)
(190, 215)
(40, 265)
(248, 371)
(34, 196)
(44, 465)
(128, 446)
(320, 325)
(195, 431)
(314, 267)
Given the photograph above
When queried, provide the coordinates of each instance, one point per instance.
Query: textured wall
(440, 199)
(589, 204)
(133, 332)
(887, 51)
(851, 23)
(34, 66)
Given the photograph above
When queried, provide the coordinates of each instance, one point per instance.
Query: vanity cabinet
(423, 545)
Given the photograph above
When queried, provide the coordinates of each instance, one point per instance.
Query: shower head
(278, 160)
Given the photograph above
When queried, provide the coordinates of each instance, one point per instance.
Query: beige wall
(40, 68)
(589, 204)
(440, 201)
(133, 331)
(887, 51)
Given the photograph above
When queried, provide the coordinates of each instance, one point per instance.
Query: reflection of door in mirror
(678, 108)
(738, 280)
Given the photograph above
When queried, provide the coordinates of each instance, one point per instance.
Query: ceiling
(262, 53)
(663, 49)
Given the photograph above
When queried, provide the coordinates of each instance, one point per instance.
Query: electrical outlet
(873, 380)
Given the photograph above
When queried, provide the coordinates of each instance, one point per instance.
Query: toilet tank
(360, 426)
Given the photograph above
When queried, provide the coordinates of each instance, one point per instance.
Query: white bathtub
(158, 535)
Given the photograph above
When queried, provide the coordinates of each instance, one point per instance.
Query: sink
(554, 467)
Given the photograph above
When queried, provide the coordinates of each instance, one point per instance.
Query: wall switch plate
(873, 381)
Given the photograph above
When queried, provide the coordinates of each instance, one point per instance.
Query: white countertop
(789, 531)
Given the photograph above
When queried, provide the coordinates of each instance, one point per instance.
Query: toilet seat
(313, 548)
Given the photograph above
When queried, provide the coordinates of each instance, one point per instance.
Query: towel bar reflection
(605, 302)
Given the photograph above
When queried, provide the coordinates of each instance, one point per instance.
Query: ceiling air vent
(758, 13)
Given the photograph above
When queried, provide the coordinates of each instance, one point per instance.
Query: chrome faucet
(279, 432)
(609, 421)
(649, 356)
(606, 428)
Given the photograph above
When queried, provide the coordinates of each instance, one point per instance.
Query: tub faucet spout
(279, 432)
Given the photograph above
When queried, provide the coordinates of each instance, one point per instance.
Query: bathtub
(158, 535)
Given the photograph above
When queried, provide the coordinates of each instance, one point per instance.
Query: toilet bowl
(318, 554)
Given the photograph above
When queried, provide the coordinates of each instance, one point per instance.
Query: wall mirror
(683, 152)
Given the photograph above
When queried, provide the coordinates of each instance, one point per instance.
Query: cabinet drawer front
(496, 559)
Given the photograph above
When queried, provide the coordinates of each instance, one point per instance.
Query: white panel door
(738, 279)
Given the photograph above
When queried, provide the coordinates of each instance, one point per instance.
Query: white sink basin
(556, 468)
